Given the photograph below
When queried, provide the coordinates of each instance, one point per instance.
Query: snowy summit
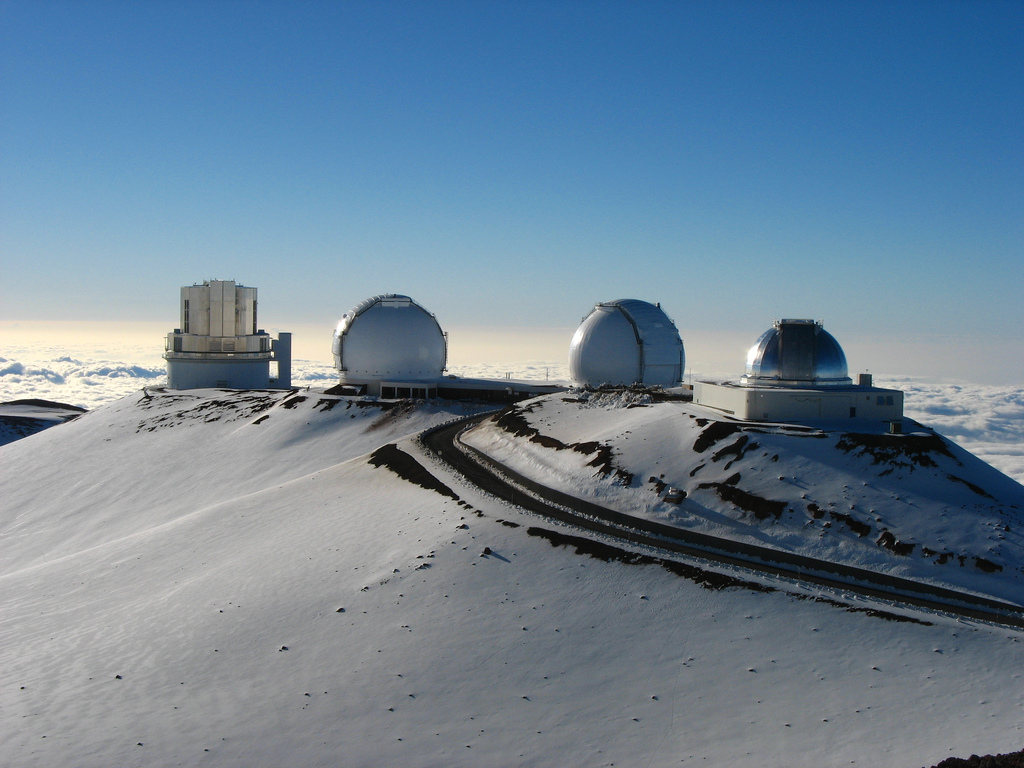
(245, 578)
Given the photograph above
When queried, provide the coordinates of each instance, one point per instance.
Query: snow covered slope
(21, 418)
(913, 505)
(214, 578)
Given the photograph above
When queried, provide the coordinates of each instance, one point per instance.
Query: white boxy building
(219, 343)
(795, 371)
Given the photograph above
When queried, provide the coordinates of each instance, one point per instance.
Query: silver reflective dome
(389, 336)
(626, 342)
(796, 353)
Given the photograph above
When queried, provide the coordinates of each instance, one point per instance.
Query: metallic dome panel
(626, 342)
(796, 353)
(389, 336)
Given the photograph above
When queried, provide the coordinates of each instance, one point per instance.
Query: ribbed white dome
(389, 337)
(626, 342)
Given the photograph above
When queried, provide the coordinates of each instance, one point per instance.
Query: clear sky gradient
(509, 164)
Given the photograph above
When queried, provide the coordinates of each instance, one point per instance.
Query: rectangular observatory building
(219, 342)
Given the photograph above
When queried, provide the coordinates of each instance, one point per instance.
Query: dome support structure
(796, 371)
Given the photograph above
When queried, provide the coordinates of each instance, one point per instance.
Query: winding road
(507, 484)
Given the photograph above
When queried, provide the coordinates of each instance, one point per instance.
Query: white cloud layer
(987, 420)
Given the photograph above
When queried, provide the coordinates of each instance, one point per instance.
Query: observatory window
(185, 323)
(880, 400)
(888, 400)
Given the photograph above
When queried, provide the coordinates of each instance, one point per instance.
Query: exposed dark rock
(748, 502)
(737, 449)
(986, 566)
(717, 430)
(860, 528)
(889, 541)
(1008, 760)
(972, 486)
(407, 468)
(896, 450)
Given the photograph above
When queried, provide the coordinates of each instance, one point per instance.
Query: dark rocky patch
(1008, 760)
(986, 566)
(748, 502)
(889, 541)
(898, 451)
(602, 461)
(512, 420)
(737, 449)
(548, 442)
(861, 529)
(816, 512)
(291, 402)
(326, 404)
(407, 468)
(972, 486)
(717, 430)
(344, 390)
(659, 485)
(238, 407)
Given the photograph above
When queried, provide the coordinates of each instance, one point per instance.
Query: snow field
(168, 626)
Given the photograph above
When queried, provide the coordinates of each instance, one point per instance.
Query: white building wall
(793, 404)
(228, 374)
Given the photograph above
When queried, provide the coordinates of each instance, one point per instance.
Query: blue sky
(510, 164)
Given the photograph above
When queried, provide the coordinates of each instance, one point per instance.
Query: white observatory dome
(796, 353)
(626, 342)
(389, 337)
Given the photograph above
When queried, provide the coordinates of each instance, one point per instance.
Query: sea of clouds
(986, 419)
